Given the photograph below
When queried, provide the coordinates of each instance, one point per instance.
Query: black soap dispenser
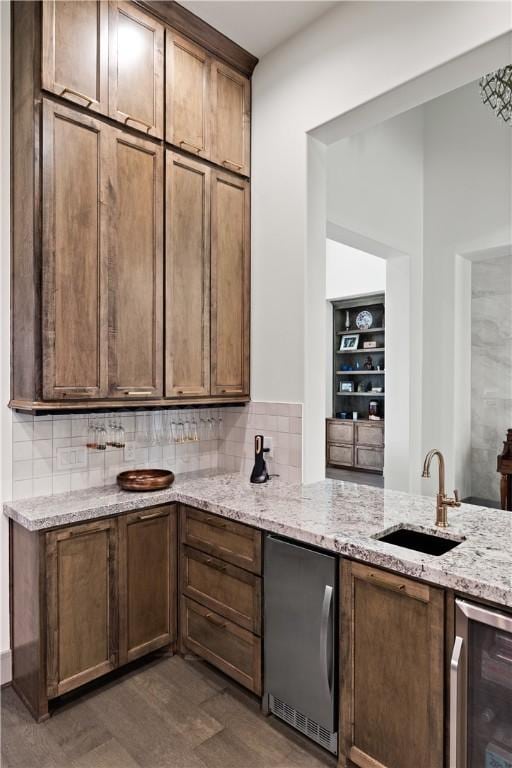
(259, 473)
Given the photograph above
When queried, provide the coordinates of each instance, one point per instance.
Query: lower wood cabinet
(358, 444)
(224, 644)
(147, 581)
(88, 598)
(392, 670)
(81, 604)
(221, 589)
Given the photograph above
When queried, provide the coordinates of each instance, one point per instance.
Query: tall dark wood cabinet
(230, 285)
(135, 284)
(74, 254)
(105, 312)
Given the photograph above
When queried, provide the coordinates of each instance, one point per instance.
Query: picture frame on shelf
(347, 386)
(349, 341)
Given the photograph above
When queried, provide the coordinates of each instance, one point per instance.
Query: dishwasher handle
(324, 635)
(455, 701)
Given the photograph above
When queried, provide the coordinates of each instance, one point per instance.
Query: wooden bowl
(145, 479)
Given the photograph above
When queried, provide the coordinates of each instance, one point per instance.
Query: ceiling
(258, 25)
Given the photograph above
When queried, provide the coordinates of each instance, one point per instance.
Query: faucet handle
(456, 500)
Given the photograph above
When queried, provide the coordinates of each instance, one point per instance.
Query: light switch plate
(268, 442)
(72, 458)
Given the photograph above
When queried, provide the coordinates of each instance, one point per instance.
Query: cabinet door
(75, 51)
(187, 321)
(187, 95)
(148, 581)
(81, 573)
(369, 458)
(392, 670)
(135, 268)
(230, 285)
(342, 455)
(136, 68)
(231, 129)
(74, 255)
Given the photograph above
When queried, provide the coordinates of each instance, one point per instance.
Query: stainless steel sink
(419, 541)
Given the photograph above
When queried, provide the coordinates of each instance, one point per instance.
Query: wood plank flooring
(166, 713)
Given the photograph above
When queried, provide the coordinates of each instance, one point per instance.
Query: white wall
(351, 272)
(468, 207)
(5, 413)
(351, 55)
(375, 195)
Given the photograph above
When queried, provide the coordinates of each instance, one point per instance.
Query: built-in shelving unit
(357, 372)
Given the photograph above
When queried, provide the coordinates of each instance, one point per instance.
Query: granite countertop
(338, 516)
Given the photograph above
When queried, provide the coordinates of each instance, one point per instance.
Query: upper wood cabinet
(392, 670)
(75, 51)
(74, 252)
(187, 353)
(231, 105)
(147, 581)
(82, 622)
(135, 236)
(230, 285)
(136, 68)
(187, 95)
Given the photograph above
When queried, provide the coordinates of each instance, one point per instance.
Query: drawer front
(233, 542)
(369, 458)
(340, 432)
(369, 435)
(341, 454)
(227, 646)
(225, 589)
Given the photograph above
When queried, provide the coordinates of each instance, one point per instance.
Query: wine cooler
(481, 689)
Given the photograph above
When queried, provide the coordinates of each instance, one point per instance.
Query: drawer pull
(150, 516)
(215, 564)
(131, 119)
(193, 147)
(215, 522)
(77, 93)
(229, 163)
(139, 393)
(215, 621)
(386, 584)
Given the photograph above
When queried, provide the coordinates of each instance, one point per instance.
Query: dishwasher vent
(304, 724)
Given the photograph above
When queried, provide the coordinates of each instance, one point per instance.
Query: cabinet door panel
(82, 604)
(187, 277)
(392, 670)
(148, 581)
(135, 268)
(231, 118)
(136, 64)
(75, 51)
(187, 95)
(74, 255)
(230, 285)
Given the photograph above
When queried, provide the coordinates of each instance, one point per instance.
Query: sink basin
(419, 541)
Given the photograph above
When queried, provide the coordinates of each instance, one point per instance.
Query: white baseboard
(5, 667)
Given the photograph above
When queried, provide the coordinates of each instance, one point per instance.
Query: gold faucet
(443, 501)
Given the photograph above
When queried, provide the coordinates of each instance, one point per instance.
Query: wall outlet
(268, 442)
(72, 458)
(129, 451)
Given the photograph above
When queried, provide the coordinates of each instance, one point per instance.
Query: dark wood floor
(355, 476)
(168, 713)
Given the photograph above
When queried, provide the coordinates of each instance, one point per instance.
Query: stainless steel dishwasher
(300, 639)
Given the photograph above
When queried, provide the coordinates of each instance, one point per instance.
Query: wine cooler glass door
(481, 689)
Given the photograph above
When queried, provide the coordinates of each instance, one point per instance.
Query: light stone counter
(335, 515)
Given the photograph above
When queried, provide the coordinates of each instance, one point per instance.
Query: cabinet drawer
(226, 589)
(369, 435)
(340, 432)
(233, 542)
(340, 454)
(227, 646)
(369, 458)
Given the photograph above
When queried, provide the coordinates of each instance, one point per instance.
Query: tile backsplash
(225, 439)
